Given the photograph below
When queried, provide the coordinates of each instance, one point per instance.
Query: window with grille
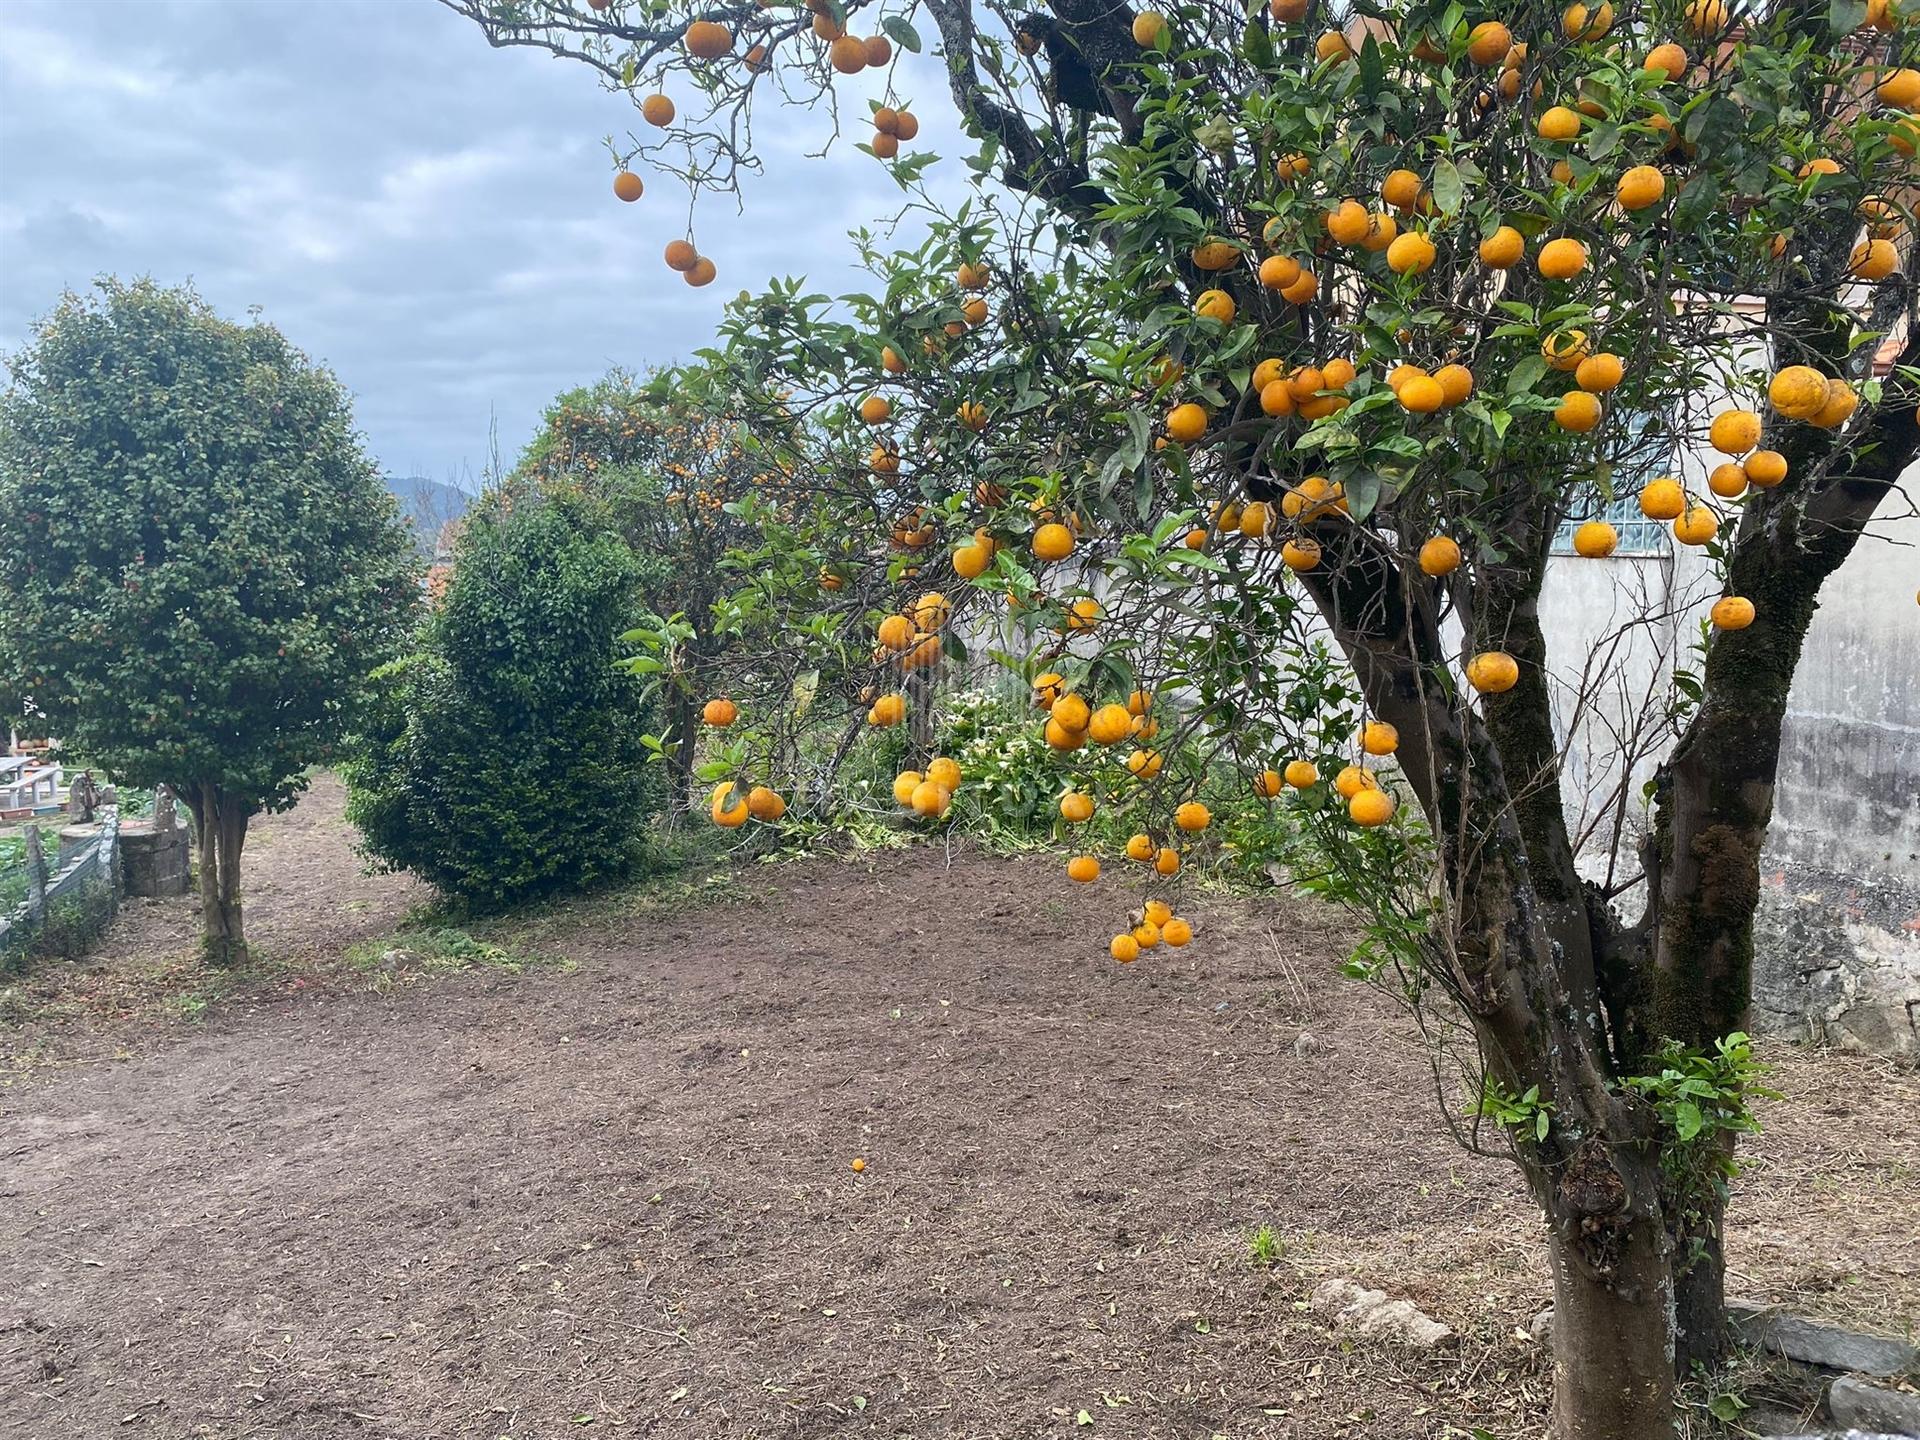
(1647, 451)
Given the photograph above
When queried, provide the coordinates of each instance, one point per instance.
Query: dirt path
(306, 900)
(619, 1200)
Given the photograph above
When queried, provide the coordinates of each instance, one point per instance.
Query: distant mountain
(427, 505)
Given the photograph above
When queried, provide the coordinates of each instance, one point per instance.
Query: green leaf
(1687, 1120)
(1449, 190)
(901, 33)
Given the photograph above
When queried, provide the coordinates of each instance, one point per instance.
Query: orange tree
(670, 475)
(1385, 300)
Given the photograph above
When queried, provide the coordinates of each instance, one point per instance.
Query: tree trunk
(1613, 1376)
(681, 734)
(220, 832)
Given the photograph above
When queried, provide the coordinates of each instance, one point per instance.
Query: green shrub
(505, 761)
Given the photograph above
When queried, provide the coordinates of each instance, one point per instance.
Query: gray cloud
(430, 217)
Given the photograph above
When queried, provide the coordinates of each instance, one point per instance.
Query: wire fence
(67, 905)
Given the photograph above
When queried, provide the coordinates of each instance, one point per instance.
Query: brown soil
(619, 1200)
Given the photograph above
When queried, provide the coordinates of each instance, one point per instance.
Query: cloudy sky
(430, 217)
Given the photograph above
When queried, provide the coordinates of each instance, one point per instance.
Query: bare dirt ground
(616, 1198)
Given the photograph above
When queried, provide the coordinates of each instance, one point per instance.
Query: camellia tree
(200, 564)
(1376, 302)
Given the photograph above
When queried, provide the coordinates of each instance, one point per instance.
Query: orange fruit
(1060, 737)
(1798, 392)
(848, 55)
(765, 804)
(1124, 948)
(1705, 17)
(1873, 260)
(1599, 373)
(1410, 254)
(1439, 556)
(1332, 46)
(884, 146)
(1734, 432)
(1176, 932)
(1422, 394)
(1564, 349)
(702, 273)
(1052, 541)
(1662, 499)
(1139, 847)
(1256, 519)
(1215, 305)
(1192, 817)
(1766, 468)
(1186, 423)
(1352, 779)
(1276, 399)
(1302, 290)
(1503, 248)
(1493, 672)
(931, 611)
(727, 808)
(1267, 784)
(1668, 59)
(1488, 43)
(895, 632)
(1559, 123)
(1145, 764)
(1561, 259)
(1371, 807)
(1139, 702)
(1455, 382)
(1728, 481)
(681, 255)
(930, 800)
(1146, 934)
(1401, 189)
(1841, 401)
(1696, 525)
(1578, 411)
(879, 50)
(706, 40)
(1215, 254)
(720, 713)
(875, 409)
(1166, 862)
(1377, 737)
(1732, 612)
(859, 1165)
(1278, 272)
(1300, 553)
(628, 186)
(1147, 26)
(1640, 187)
(1072, 712)
(1899, 88)
(1083, 868)
(1596, 540)
(1348, 222)
(1301, 773)
(1076, 808)
(904, 784)
(906, 125)
(657, 110)
(1110, 725)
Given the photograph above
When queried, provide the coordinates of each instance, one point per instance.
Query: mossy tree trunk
(220, 835)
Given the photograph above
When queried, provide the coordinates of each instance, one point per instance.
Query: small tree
(666, 472)
(506, 761)
(200, 565)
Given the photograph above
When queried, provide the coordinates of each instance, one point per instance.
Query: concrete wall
(1839, 927)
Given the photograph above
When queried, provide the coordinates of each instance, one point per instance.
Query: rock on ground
(1873, 1407)
(1356, 1310)
(1812, 1343)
